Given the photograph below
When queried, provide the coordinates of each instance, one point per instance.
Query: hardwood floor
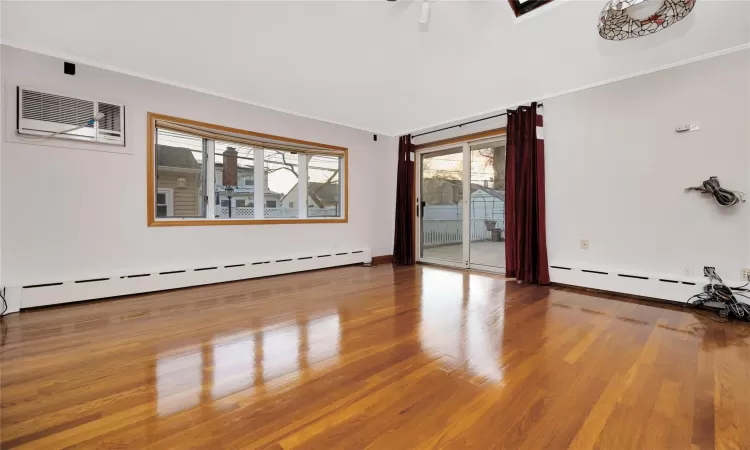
(382, 357)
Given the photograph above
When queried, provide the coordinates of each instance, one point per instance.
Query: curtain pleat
(526, 230)
(403, 239)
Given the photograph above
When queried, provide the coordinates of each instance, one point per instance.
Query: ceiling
(366, 64)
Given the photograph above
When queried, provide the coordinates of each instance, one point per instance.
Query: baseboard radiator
(661, 287)
(135, 282)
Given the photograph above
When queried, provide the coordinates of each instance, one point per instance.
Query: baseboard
(638, 284)
(134, 282)
(614, 294)
(383, 259)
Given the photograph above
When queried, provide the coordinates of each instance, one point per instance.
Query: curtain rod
(465, 123)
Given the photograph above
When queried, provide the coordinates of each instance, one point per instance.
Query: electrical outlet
(745, 274)
(584, 244)
(687, 271)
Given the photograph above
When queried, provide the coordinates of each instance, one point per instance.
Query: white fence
(479, 210)
(242, 212)
(441, 232)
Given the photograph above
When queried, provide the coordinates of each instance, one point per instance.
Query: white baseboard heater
(135, 282)
(662, 287)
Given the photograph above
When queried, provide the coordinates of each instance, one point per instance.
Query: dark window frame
(519, 9)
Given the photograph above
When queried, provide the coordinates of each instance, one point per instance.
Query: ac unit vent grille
(111, 120)
(56, 108)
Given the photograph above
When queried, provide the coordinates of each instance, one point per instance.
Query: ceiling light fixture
(619, 20)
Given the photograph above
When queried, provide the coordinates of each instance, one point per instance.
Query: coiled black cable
(717, 291)
(723, 197)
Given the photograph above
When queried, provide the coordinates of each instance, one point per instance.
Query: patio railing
(443, 232)
(274, 213)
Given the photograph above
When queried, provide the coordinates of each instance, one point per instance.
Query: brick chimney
(229, 174)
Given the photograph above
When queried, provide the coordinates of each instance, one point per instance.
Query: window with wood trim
(521, 7)
(205, 174)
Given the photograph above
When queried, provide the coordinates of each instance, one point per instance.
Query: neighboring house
(244, 192)
(179, 184)
(439, 191)
(319, 195)
(487, 203)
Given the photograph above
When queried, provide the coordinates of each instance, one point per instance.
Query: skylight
(521, 7)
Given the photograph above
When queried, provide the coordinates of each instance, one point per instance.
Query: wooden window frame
(495, 132)
(519, 9)
(151, 189)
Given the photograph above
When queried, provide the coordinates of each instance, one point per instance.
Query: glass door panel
(441, 207)
(487, 204)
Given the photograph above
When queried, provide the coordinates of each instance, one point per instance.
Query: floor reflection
(323, 336)
(462, 318)
(280, 350)
(234, 366)
(237, 363)
(178, 381)
(442, 313)
(484, 325)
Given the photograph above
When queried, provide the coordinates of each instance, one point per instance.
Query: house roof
(180, 157)
(325, 192)
(319, 192)
(493, 192)
(458, 184)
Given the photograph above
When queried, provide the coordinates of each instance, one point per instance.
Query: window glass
(282, 174)
(234, 166)
(323, 186)
(179, 167)
(193, 169)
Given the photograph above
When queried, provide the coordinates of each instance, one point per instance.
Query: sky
(451, 165)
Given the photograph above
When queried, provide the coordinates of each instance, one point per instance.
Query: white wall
(383, 179)
(616, 170)
(69, 213)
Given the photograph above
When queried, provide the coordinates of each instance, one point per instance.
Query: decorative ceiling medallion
(616, 25)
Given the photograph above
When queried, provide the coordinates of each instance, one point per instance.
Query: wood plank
(381, 357)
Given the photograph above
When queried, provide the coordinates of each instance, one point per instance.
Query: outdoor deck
(481, 252)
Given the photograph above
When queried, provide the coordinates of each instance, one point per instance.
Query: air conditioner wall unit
(43, 114)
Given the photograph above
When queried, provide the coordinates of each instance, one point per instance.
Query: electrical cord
(5, 303)
(723, 197)
(717, 291)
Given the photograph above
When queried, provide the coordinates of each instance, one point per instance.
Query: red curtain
(403, 239)
(526, 229)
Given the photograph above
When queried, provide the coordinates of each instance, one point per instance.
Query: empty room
(381, 224)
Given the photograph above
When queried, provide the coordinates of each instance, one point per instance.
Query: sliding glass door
(441, 206)
(487, 204)
(461, 205)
